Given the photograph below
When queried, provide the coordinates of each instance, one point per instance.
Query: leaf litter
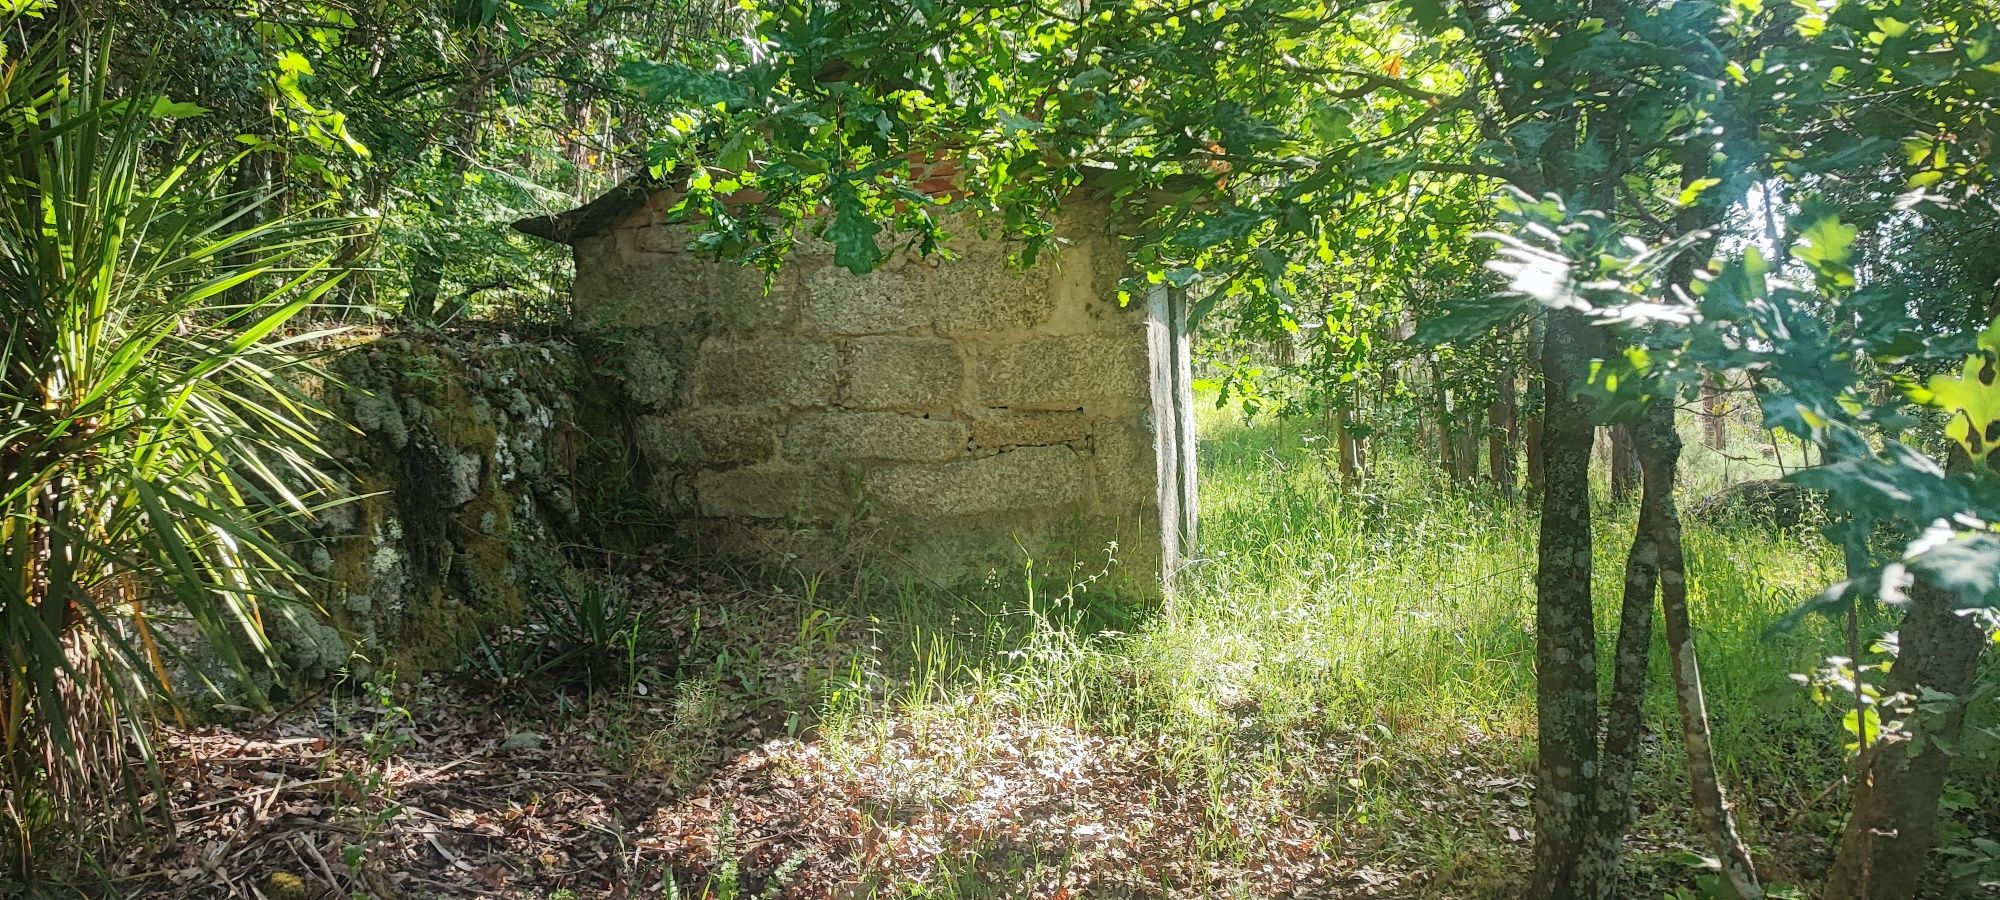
(440, 788)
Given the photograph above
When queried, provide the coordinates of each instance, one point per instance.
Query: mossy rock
(1767, 502)
(466, 451)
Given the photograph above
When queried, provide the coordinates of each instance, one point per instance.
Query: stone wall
(472, 460)
(942, 418)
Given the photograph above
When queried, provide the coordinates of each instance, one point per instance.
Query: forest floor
(1338, 704)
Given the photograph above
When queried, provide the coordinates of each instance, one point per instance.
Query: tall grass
(153, 442)
(1393, 618)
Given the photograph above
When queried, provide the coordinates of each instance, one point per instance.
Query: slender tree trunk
(1625, 712)
(1660, 451)
(1565, 636)
(1500, 439)
(1715, 413)
(1624, 464)
(249, 188)
(1887, 843)
(1659, 445)
(1358, 443)
(1350, 459)
(1465, 458)
(427, 273)
(1531, 432)
(1447, 432)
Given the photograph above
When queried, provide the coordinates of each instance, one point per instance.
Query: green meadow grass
(1391, 624)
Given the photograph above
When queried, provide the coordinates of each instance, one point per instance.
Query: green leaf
(1333, 123)
(1693, 191)
(1968, 566)
(165, 108)
(1825, 246)
(292, 62)
(1430, 15)
(1464, 320)
(852, 231)
(1890, 26)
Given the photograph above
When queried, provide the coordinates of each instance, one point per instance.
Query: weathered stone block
(1124, 466)
(708, 438)
(983, 410)
(982, 291)
(662, 239)
(1029, 478)
(653, 375)
(873, 435)
(885, 301)
(753, 373)
(774, 491)
(610, 290)
(744, 299)
(1064, 371)
(1000, 429)
(903, 373)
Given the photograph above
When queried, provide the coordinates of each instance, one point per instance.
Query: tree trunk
(1448, 443)
(1887, 844)
(1465, 457)
(1660, 451)
(1659, 447)
(1500, 440)
(1566, 864)
(1625, 712)
(249, 189)
(1624, 464)
(1359, 444)
(1350, 458)
(422, 307)
(1531, 432)
(427, 273)
(1714, 412)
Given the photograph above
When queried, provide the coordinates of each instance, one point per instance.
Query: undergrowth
(1363, 655)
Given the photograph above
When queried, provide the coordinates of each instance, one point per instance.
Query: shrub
(153, 439)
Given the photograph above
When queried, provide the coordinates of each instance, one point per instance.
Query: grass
(1338, 701)
(1355, 653)
(1345, 664)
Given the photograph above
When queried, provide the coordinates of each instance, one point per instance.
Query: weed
(369, 804)
(586, 633)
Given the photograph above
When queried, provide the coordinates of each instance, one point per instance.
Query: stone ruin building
(946, 419)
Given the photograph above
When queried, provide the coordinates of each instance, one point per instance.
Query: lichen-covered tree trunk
(1568, 861)
(1888, 839)
(1624, 716)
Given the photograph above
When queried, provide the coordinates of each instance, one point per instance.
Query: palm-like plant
(154, 443)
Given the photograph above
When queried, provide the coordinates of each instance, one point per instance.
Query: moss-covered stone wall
(468, 458)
